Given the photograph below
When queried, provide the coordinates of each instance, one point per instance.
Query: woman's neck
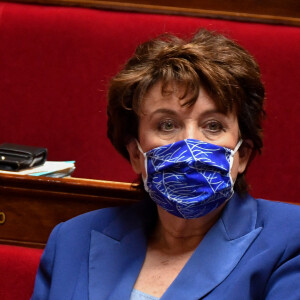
(176, 235)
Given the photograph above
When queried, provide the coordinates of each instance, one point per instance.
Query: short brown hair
(228, 73)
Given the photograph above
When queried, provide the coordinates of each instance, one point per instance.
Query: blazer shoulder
(97, 219)
(76, 232)
(277, 209)
(279, 216)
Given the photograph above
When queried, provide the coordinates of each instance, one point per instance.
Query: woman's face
(163, 120)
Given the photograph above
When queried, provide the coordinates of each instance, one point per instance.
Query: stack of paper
(49, 169)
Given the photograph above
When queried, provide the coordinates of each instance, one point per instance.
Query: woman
(187, 114)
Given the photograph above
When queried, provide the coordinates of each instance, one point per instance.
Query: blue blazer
(251, 253)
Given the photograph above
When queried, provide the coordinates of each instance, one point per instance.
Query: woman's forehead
(171, 97)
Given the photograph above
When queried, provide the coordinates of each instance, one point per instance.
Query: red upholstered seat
(55, 64)
(18, 266)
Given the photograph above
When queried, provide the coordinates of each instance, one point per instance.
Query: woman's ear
(136, 157)
(245, 152)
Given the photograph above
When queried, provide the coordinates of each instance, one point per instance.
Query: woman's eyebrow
(211, 112)
(171, 112)
(163, 111)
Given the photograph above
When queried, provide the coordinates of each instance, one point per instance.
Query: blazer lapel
(118, 252)
(218, 253)
(116, 257)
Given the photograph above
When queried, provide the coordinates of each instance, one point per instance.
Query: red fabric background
(55, 64)
(18, 268)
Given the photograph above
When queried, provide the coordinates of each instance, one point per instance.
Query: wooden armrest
(31, 206)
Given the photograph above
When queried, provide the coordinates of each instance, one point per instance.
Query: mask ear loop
(237, 147)
(145, 179)
(139, 147)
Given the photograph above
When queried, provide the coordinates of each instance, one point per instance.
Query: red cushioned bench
(55, 64)
(18, 266)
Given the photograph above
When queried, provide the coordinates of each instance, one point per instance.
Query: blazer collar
(219, 252)
(117, 254)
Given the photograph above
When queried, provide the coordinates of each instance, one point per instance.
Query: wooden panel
(31, 206)
(268, 11)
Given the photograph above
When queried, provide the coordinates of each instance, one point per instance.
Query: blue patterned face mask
(189, 178)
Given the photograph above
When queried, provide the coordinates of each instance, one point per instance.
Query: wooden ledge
(31, 206)
(274, 12)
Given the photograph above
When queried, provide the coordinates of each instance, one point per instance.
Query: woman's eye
(214, 126)
(167, 125)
